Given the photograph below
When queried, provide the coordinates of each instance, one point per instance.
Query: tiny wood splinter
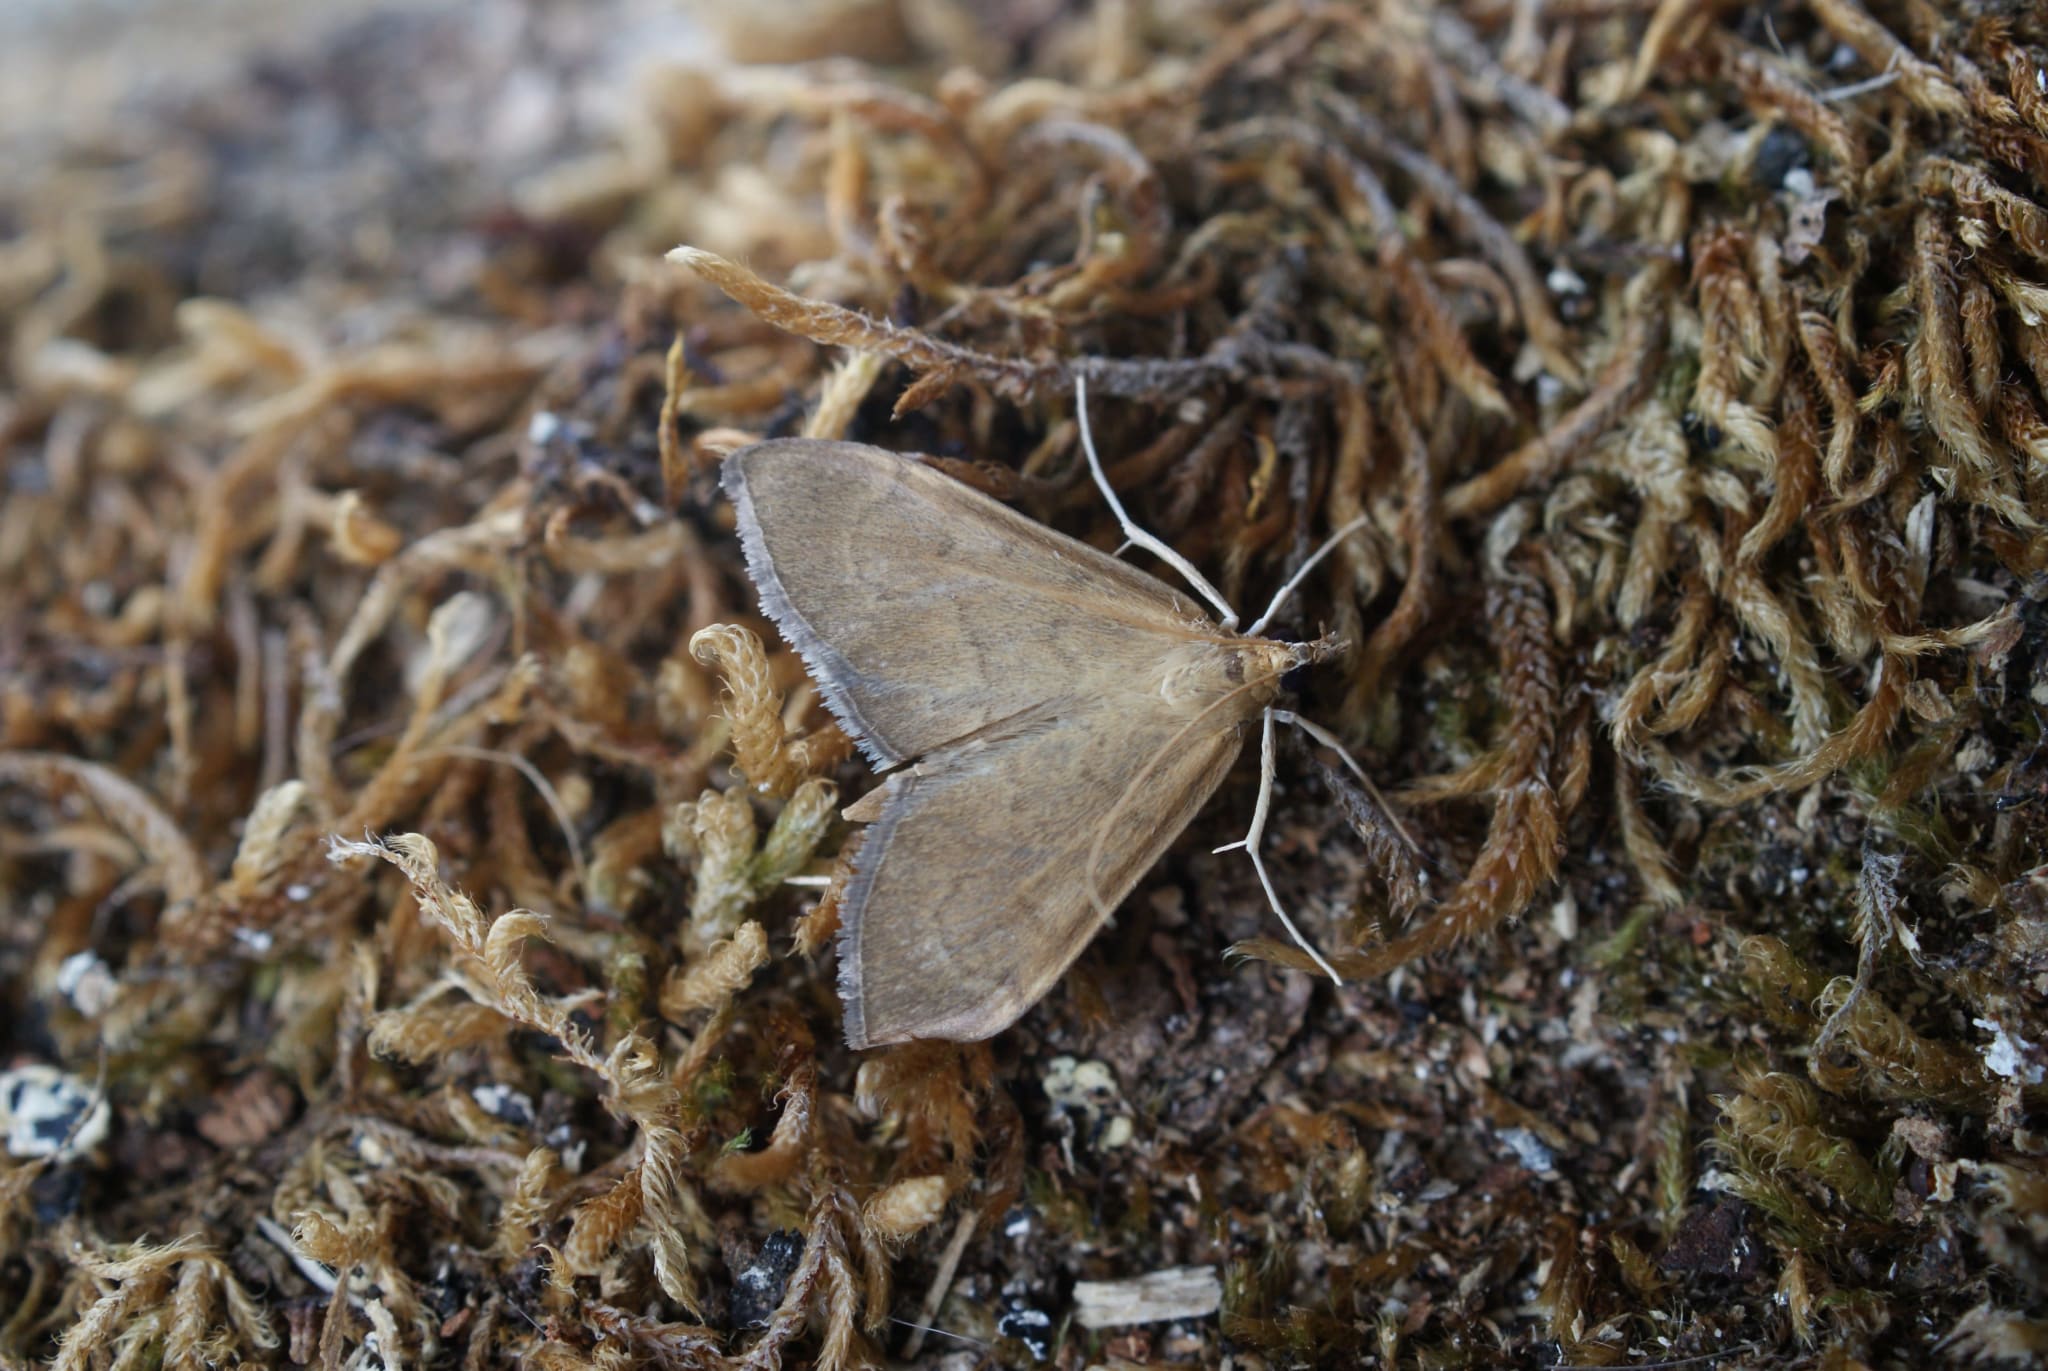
(1054, 716)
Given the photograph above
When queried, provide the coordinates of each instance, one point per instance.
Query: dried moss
(1689, 366)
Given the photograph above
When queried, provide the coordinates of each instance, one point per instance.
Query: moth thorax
(1246, 671)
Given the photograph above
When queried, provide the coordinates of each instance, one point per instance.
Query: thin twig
(942, 1281)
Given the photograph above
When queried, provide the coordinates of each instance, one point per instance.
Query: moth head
(1300, 657)
(1264, 668)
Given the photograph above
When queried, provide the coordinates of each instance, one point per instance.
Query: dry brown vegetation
(399, 795)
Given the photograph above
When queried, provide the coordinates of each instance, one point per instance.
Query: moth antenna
(1135, 536)
(1301, 573)
(1258, 831)
(1329, 740)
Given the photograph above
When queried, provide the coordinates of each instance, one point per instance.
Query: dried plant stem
(942, 1281)
(126, 805)
(1617, 387)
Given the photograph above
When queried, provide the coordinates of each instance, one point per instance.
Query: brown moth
(1049, 718)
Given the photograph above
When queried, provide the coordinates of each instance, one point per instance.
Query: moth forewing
(925, 610)
(1065, 715)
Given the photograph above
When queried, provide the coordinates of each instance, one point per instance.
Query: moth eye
(1295, 679)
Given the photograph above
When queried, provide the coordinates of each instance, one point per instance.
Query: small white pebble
(503, 1102)
(1529, 1149)
(41, 1106)
(1563, 280)
(84, 979)
(2007, 1054)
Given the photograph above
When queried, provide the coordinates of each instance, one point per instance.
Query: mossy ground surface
(376, 847)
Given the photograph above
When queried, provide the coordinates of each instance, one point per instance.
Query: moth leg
(1329, 740)
(1253, 835)
(1301, 573)
(1135, 536)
